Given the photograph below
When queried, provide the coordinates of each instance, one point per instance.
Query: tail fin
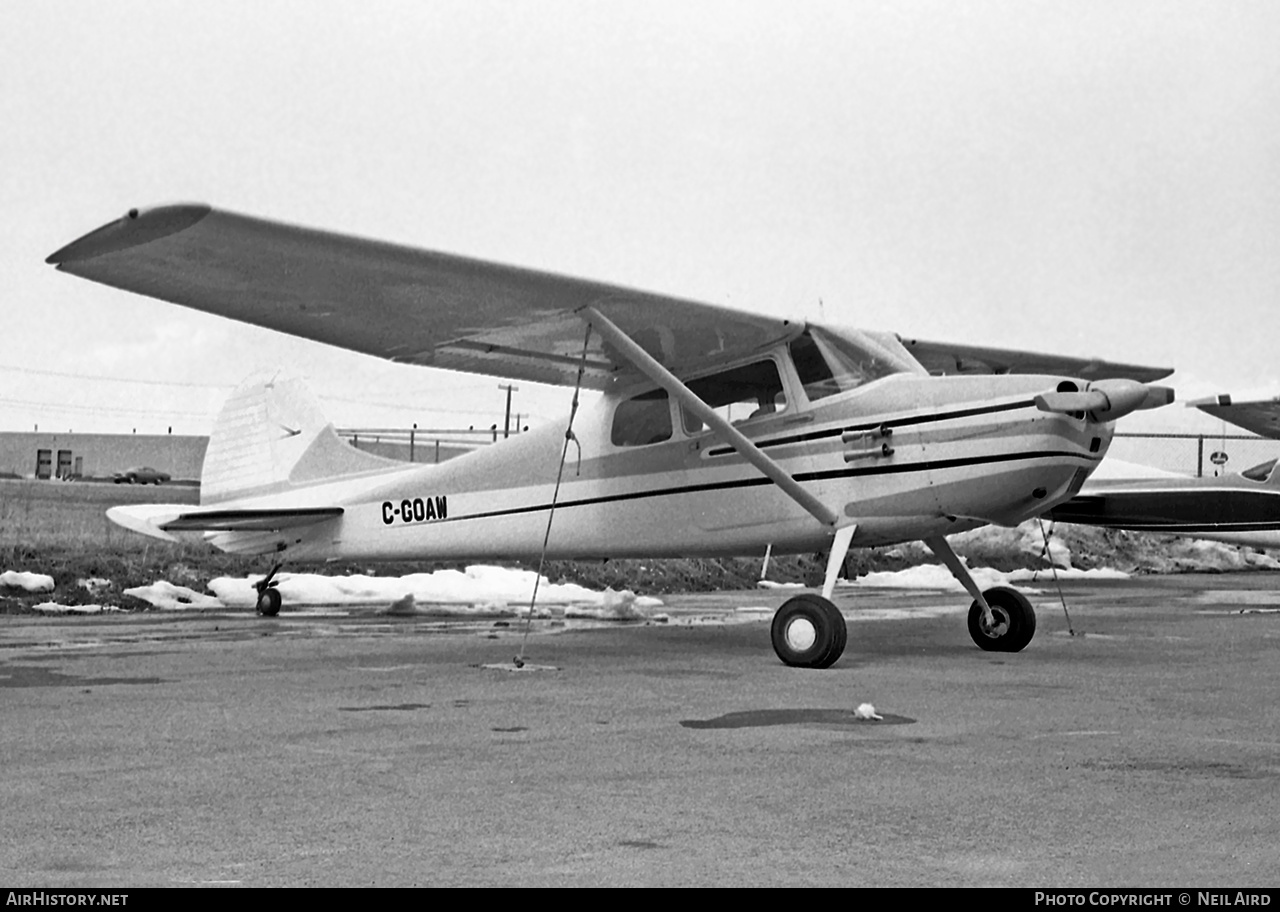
(270, 437)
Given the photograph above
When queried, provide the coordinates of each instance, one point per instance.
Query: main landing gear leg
(268, 595)
(809, 631)
(1000, 619)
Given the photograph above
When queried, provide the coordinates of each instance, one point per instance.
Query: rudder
(270, 437)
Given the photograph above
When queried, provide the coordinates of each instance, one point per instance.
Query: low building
(37, 454)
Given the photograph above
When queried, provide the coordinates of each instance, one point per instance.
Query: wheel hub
(999, 625)
(801, 634)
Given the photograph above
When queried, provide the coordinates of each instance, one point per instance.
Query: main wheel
(269, 602)
(809, 632)
(1015, 621)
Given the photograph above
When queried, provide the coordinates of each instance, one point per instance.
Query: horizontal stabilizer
(250, 520)
(146, 519)
(162, 520)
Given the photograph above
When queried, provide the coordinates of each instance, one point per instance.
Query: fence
(1195, 454)
(429, 445)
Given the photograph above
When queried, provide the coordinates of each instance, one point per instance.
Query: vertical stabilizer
(271, 437)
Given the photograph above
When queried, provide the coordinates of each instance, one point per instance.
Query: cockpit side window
(738, 395)
(1260, 472)
(642, 419)
(827, 366)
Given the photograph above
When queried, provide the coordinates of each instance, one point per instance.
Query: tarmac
(1136, 745)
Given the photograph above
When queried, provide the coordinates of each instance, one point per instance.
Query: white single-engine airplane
(719, 432)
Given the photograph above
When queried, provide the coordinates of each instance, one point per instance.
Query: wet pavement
(352, 748)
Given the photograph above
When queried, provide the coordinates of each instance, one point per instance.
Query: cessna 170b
(719, 432)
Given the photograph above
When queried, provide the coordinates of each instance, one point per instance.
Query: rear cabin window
(642, 419)
(827, 367)
(738, 395)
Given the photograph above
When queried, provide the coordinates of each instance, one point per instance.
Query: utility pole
(506, 423)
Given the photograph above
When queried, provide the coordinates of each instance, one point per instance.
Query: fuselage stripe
(1259, 526)
(927, 466)
(889, 423)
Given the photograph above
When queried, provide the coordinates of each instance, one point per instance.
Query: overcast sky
(1086, 178)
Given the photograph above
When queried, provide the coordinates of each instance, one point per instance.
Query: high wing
(1262, 416)
(402, 303)
(949, 358)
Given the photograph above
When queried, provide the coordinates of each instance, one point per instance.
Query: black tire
(1015, 621)
(809, 632)
(269, 602)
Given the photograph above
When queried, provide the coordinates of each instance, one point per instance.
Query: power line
(99, 409)
(426, 394)
(102, 377)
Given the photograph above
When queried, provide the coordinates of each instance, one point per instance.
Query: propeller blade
(1107, 400)
(1158, 396)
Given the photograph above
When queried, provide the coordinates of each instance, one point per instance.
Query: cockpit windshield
(827, 364)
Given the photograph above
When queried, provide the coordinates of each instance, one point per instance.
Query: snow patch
(31, 582)
(479, 590)
(55, 608)
(928, 576)
(164, 594)
(613, 606)
(1098, 573)
(935, 576)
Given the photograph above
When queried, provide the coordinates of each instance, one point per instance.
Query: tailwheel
(269, 602)
(1014, 621)
(809, 632)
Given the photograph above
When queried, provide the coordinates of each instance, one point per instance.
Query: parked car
(141, 475)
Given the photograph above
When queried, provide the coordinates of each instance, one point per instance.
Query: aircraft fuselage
(904, 457)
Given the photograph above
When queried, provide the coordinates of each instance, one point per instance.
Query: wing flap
(402, 303)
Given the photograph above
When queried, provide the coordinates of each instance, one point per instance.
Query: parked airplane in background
(719, 432)
(1241, 509)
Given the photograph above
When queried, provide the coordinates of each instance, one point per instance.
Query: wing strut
(650, 367)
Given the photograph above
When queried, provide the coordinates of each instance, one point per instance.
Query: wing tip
(134, 228)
